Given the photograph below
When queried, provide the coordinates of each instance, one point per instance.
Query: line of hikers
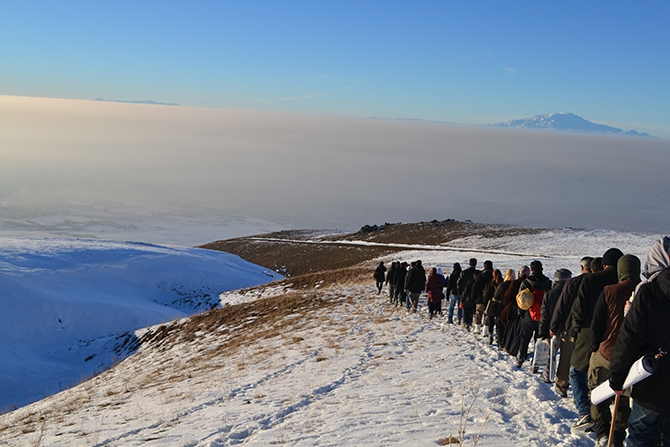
(600, 322)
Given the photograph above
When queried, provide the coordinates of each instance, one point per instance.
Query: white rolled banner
(644, 367)
(553, 364)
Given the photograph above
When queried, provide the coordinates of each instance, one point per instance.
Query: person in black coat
(646, 330)
(415, 283)
(380, 276)
(390, 280)
(539, 282)
(468, 302)
(453, 295)
(478, 294)
(400, 274)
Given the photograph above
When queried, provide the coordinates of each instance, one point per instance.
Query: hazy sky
(465, 62)
(191, 175)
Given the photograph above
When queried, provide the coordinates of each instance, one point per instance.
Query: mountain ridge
(567, 122)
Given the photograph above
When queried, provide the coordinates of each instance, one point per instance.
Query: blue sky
(466, 62)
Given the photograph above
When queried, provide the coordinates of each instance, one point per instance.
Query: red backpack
(535, 309)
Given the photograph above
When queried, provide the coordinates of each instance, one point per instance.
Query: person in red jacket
(434, 287)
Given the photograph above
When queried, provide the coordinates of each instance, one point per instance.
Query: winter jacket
(499, 297)
(538, 281)
(645, 329)
(548, 305)
(452, 282)
(380, 271)
(390, 275)
(464, 279)
(400, 275)
(561, 320)
(467, 293)
(415, 281)
(434, 287)
(480, 285)
(608, 316)
(582, 313)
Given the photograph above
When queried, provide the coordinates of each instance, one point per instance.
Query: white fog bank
(189, 175)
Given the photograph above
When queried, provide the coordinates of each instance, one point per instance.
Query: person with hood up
(645, 329)
(547, 309)
(608, 316)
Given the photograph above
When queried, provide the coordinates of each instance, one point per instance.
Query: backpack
(530, 299)
(525, 299)
(535, 310)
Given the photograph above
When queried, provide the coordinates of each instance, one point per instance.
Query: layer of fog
(187, 175)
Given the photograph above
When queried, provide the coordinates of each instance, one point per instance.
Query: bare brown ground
(297, 258)
(328, 266)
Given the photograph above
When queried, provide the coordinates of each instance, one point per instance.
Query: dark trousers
(528, 328)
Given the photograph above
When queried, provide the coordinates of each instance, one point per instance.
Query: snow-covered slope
(341, 367)
(568, 122)
(69, 306)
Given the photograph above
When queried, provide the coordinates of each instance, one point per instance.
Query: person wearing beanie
(582, 315)
(547, 309)
(608, 316)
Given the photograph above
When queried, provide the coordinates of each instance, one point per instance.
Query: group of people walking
(598, 324)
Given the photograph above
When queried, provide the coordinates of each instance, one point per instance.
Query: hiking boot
(602, 441)
(561, 392)
(519, 363)
(583, 424)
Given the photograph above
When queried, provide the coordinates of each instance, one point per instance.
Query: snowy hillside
(324, 361)
(567, 122)
(70, 306)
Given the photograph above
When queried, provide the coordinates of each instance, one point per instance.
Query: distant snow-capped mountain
(566, 122)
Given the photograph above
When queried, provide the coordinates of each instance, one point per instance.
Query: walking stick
(612, 423)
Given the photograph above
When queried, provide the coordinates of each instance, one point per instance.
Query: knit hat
(611, 256)
(628, 267)
(562, 275)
